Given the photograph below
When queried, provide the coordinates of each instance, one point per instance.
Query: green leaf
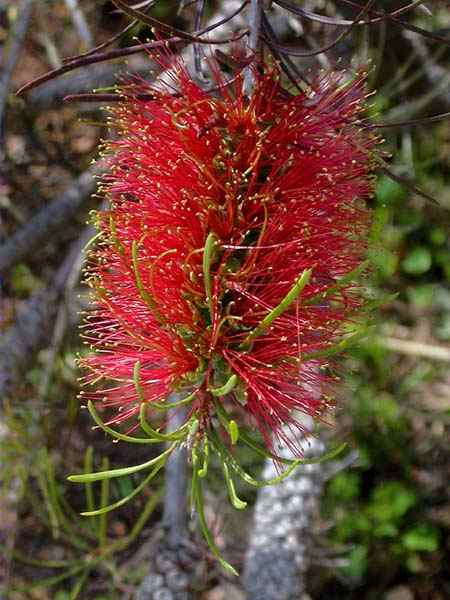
(385, 530)
(261, 451)
(342, 282)
(337, 347)
(197, 499)
(204, 469)
(390, 501)
(90, 477)
(226, 388)
(226, 456)
(351, 524)
(384, 260)
(388, 191)
(414, 563)
(116, 434)
(88, 490)
(234, 499)
(104, 498)
(75, 591)
(438, 236)
(344, 486)
(122, 501)
(177, 435)
(208, 259)
(92, 241)
(421, 538)
(285, 303)
(55, 498)
(157, 405)
(23, 282)
(170, 405)
(358, 562)
(234, 432)
(146, 297)
(421, 295)
(418, 261)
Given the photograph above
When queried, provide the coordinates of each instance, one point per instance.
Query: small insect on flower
(226, 263)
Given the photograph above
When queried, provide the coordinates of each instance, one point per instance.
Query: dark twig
(390, 17)
(51, 218)
(408, 184)
(288, 50)
(310, 16)
(104, 44)
(169, 29)
(96, 58)
(53, 92)
(411, 122)
(89, 59)
(289, 68)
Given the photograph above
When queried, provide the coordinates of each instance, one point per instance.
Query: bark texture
(278, 555)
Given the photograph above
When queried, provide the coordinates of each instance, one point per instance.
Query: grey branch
(47, 222)
(175, 498)
(278, 554)
(170, 572)
(35, 320)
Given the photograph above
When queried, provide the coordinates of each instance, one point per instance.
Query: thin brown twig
(89, 59)
(287, 50)
(306, 14)
(411, 122)
(389, 17)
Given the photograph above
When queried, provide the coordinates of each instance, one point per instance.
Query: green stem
(208, 256)
(292, 295)
(90, 477)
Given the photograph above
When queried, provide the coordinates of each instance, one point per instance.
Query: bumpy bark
(171, 571)
(278, 554)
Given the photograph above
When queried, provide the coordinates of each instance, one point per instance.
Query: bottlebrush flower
(225, 256)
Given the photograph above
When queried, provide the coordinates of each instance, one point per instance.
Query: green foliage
(418, 261)
(378, 510)
(89, 547)
(23, 282)
(421, 538)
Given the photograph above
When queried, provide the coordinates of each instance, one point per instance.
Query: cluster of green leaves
(33, 474)
(380, 514)
(89, 547)
(378, 510)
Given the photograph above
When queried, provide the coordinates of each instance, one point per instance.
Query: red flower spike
(223, 257)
